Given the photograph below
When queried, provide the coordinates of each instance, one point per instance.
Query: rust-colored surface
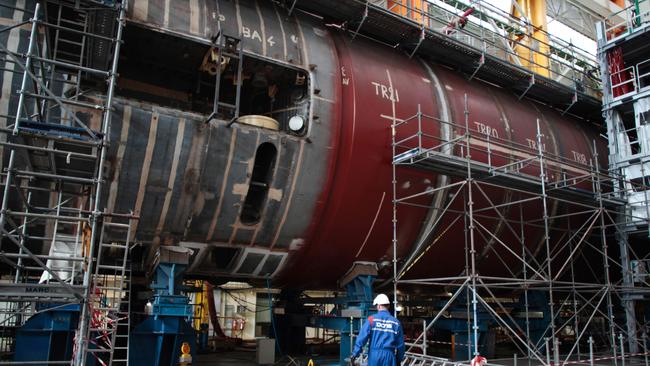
(378, 85)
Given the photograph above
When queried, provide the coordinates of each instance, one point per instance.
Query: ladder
(219, 59)
(54, 176)
(110, 295)
(415, 359)
(121, 356)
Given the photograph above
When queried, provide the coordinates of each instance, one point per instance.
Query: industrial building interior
(232, 182)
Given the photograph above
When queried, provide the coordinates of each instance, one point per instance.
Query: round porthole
(296, 123)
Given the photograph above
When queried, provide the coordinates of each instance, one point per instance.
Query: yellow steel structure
(532, 48)
(412, 9)
(201, 305)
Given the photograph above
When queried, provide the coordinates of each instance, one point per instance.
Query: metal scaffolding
(483, 47)
(62, 249)
(554, 239)
(624, 60)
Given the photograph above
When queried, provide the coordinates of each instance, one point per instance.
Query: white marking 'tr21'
(386, 92)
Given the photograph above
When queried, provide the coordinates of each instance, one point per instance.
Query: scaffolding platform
(53, 219)
(39, 292)
(58, 131)
(456, 166)
(632, 34)
(593, 211)
(378, 23)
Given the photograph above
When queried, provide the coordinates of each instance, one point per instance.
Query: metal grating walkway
(382, 25)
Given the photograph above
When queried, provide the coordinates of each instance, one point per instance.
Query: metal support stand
(628, 298)
(417, 46)
(160, 336)
(547, 242)
(470, 219)
(481, 62)
(364, 16)
(531, 82)
(355, 307)
(574, 100)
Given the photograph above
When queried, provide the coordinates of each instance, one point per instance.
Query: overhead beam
(582, 15)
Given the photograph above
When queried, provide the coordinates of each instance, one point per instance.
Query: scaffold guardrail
(478, 161)
(52, 209)
(633, 18)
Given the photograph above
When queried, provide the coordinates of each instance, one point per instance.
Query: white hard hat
(381, 299)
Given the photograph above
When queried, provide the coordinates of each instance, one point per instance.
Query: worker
(385, 334)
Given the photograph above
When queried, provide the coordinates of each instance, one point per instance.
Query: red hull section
(380, 86)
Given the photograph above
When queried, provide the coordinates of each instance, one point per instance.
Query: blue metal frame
(55, 129)
(157, 340)
(537, 326)
(48, 336)
(358, 300)
(166, 287)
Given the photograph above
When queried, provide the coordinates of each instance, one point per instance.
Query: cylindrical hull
(328, 198)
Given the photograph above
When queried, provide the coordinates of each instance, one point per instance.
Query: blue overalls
(386, 340)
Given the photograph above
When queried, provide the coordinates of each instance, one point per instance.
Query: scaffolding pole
(70, 264)
(587, 214)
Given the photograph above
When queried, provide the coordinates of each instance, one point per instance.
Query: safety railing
(629, 81)
(509, 39)
(623, 83)
(633, 145)
(643, 74)
(636, 187)
(632, 18)
(416, 140)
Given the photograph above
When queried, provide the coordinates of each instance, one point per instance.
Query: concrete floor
(584, 361)
(226, 358)
(247, 358)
